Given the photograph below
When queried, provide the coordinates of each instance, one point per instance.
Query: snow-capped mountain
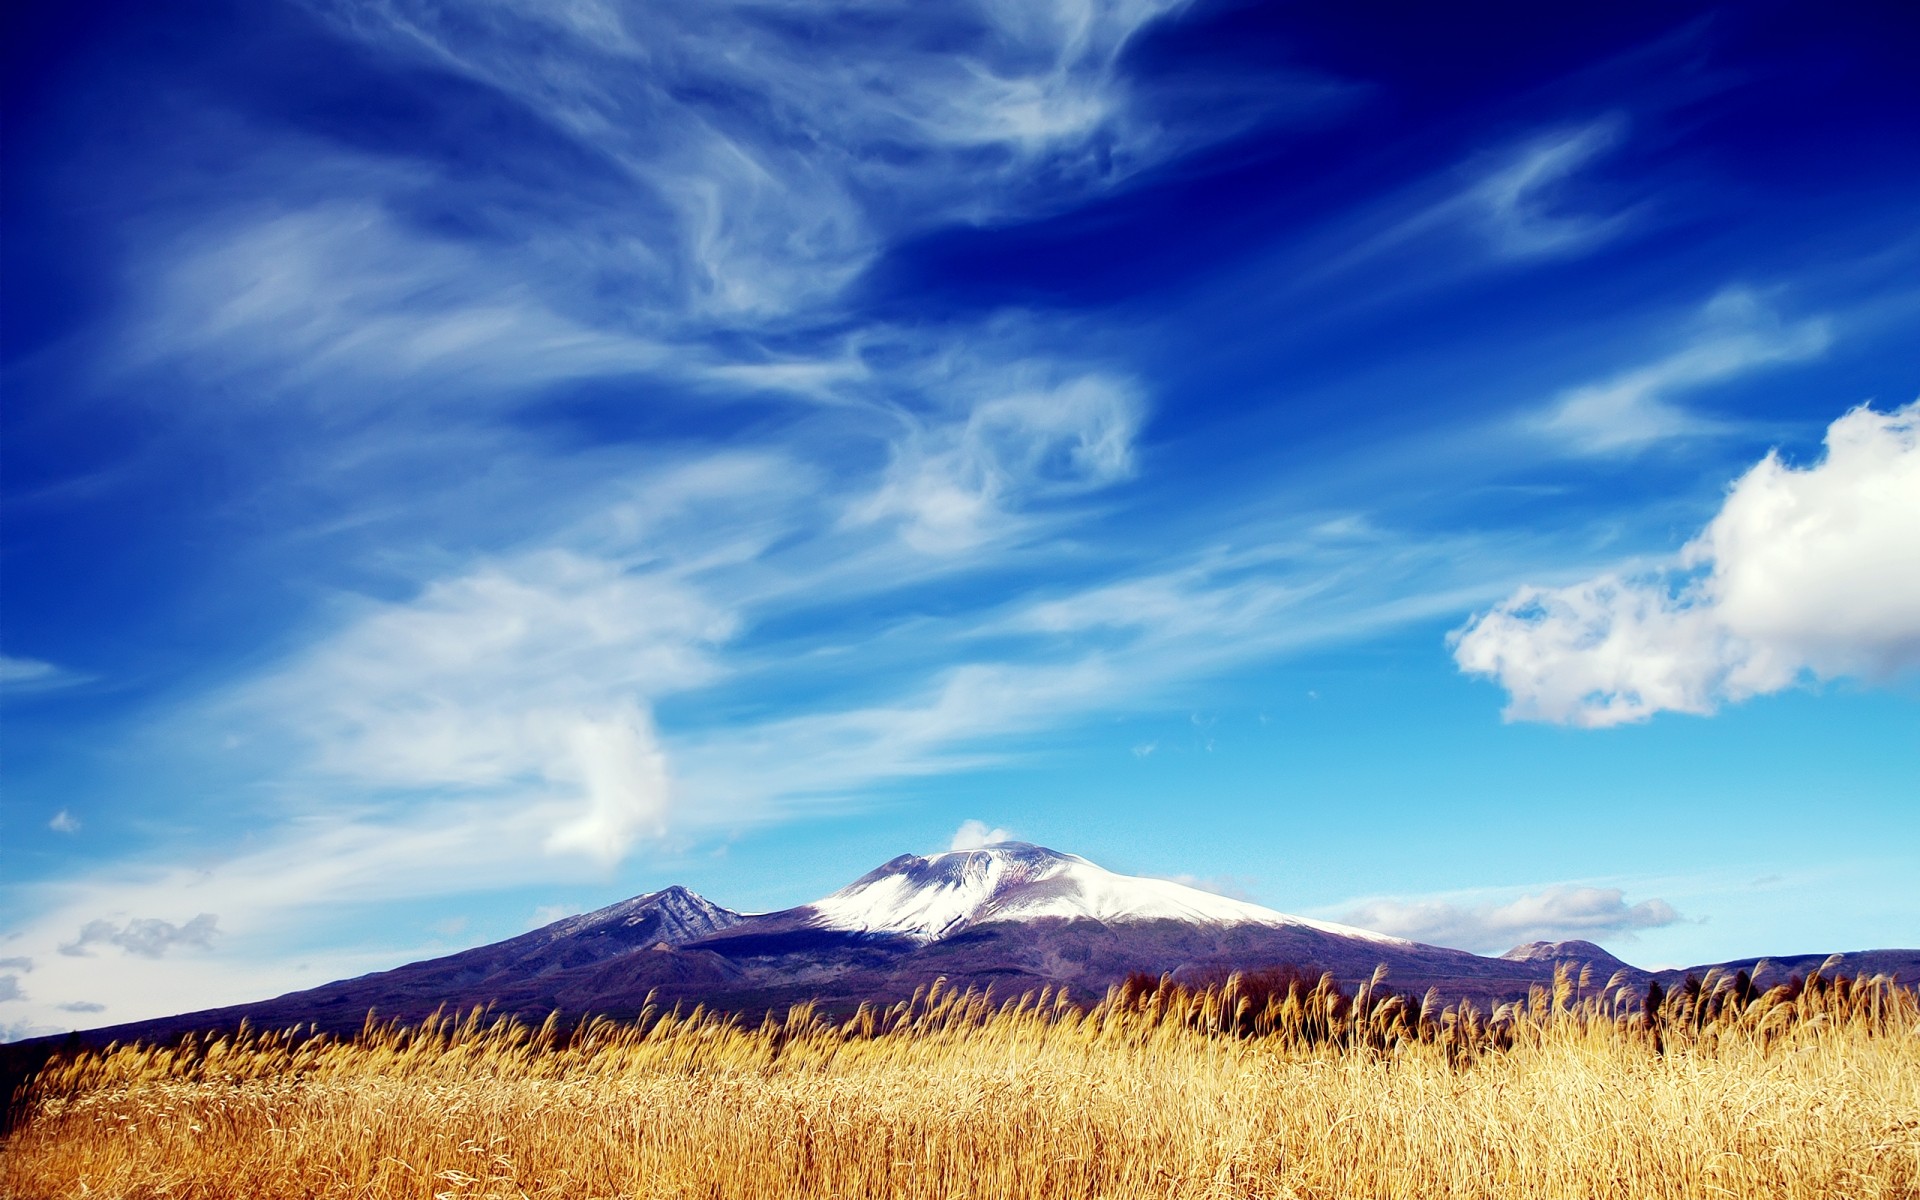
(1010, 918)
(929, 898)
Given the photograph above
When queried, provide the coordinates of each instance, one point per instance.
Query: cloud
(341, 292)
(1231, 886)
(762, 163)
(1736, 333)
(975, 835)
(1199, 599)
(25, 675)
(529, 677)
(952, 485)
(21, 964)
(148, 937)
(1529, 201)
(1809, 571)
(64, 822)
(1529, 207)
(624, 774)
(1552, 914)
(10, 988)
(82, 1006)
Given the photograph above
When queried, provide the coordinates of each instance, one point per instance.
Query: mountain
(1572, 951)
(1011, 917)
(926, 900)
(519, 974)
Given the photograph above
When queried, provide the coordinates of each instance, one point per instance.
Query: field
(1263, 1087)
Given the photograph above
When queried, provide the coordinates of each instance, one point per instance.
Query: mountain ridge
(927, 898)
(1011, 918)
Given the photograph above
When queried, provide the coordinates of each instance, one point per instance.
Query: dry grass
(1243, 1090)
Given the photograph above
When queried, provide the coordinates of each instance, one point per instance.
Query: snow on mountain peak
(928, 898)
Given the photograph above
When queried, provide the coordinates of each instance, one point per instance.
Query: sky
(1452, 469)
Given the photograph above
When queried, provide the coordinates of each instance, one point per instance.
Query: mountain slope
(1011, 917)
(520, 974)
(927, 899)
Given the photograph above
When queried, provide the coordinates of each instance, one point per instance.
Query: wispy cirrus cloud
(1530, 205)
(764, 176)
(951, 485)
(22, 676)
(1736, 333)
(1538, 199)
(338, 302)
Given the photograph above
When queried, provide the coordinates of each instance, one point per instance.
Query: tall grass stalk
(1256, 1087)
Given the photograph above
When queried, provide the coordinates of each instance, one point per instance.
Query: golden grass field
(1243, 1090)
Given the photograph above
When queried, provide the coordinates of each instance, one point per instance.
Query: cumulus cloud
(1806, 572)
(148, 937)
(975, 835)
(64, 822)
(623, 773)
(1553, 914)
(1737, 332)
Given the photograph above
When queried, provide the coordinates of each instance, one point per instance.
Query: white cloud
(624, 774)
(1736, 333)
(849, 141)
(1553, 914)
(64, 822)
(1233, 887)
(529, 678)
(954, 484)
(1519, 202)
(1804, 571)
(24, 670)
(148, 937)
(342, 293)
(1199, 600)
(1524, 203)
(21, 675)
(976, 835)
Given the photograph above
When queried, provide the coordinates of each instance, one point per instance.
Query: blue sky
(1453, 471)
